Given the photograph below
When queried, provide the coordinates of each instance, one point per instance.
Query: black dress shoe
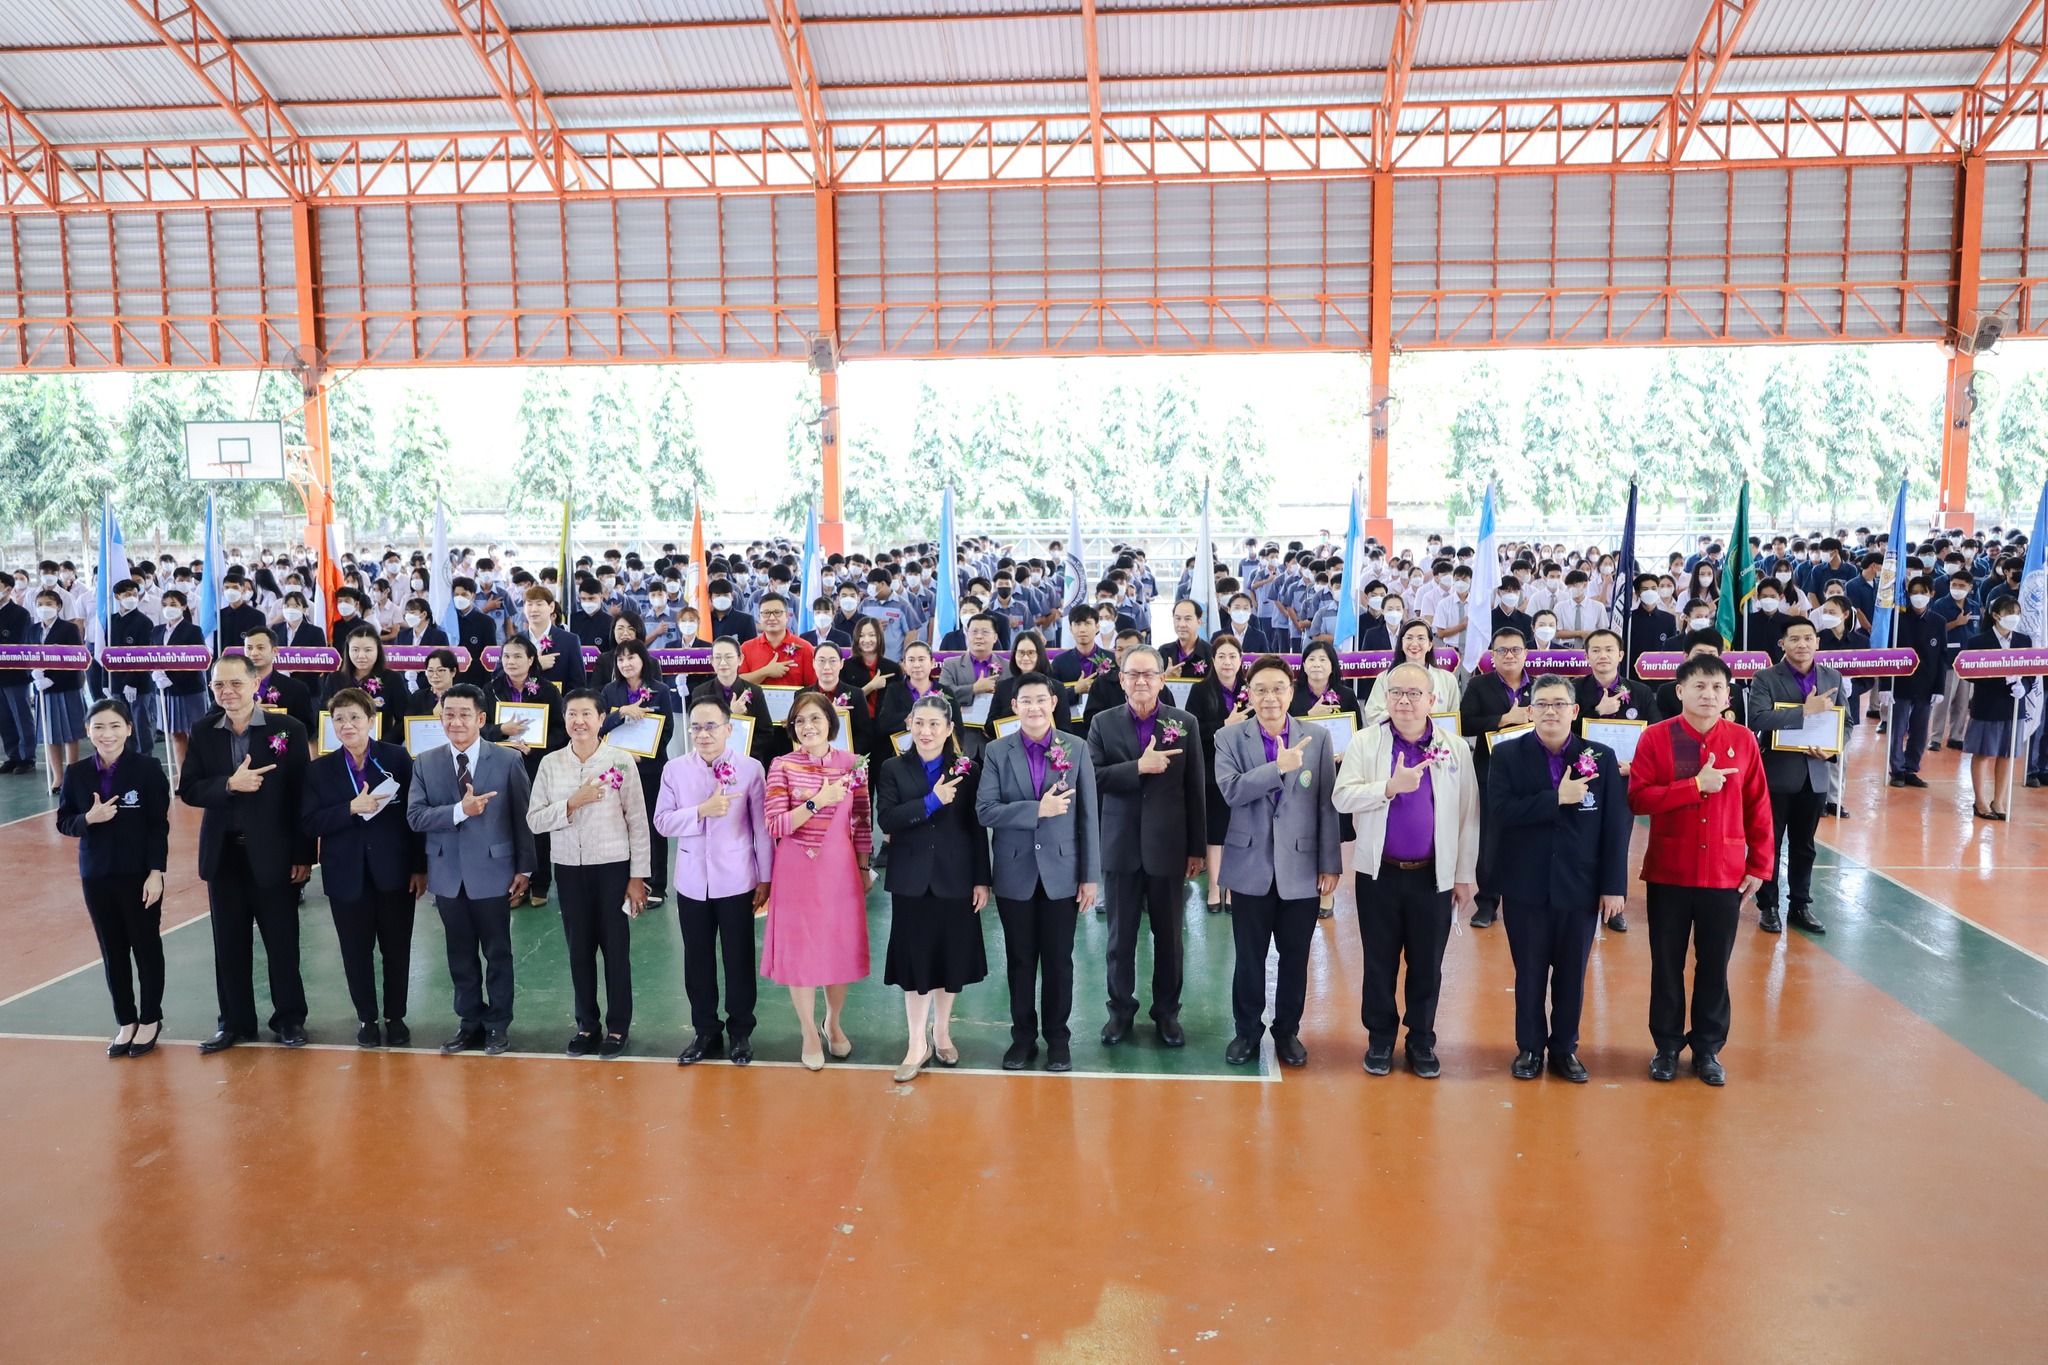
(1664, 1067)
(1709, 1070)
(1482, 917)
(742, 1049)
(1240, 1051)
(495, 1042)
(142, 1047)
(1913, 780)
(1618, 921)
(1379, 1059)
(369, 1035)
(1058, 1057)
(1422, 1061)
(293, 1035)
(2033, 780)
(614, 1044)
(116, 1050)
(582, 1045)
(1528, 1066)
(396, 1034)
(1897, 780)
(1802, 918)
(1830, 808)
(1169, 1032)
(1768, 921)
(1291, 1052)
(1955, 744)
(220, 1042)
(463, 1040)
(697, 1050)
(1019, 1055)
(1115, 1031)
(1569, 1067)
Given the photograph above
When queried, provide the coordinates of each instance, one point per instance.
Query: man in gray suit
(469, 799)
(1785, 696)
(973, 676)
(1037, 794)
(1282, 854)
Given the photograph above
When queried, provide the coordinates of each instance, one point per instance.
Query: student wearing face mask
(1508, 612)
(237, 615)
(1989, 740)
(1767, 621)
(184, 690)
(17, 704)
(130, 627)
(296, 628)
(1375, 631)
(1954, 608)
(1914, 698)
(1453, 614)
(60, 703)
(1579, 610)
(475, 631)
(1255, 635)
(727, 621)
(1648, 628)
(1835, 620)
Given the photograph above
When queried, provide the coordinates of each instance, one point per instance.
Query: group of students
(1102, 792)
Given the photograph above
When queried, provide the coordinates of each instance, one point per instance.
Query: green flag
(1738, 577)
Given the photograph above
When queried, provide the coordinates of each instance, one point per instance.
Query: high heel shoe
(139, 1048)
(118, 1048)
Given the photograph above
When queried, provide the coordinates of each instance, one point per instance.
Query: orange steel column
(311, 371)
(1377, 522)
(831, 529)
(1955, 427)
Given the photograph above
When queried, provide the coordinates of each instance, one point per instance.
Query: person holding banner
(1788, 696)
(636, 695)
(298, 632)
(967, 676)
(1416, 644)
(184, 693)
(60, 703)
(558, 655)
(363, 669)
(244, 771)
(1218, 700)
(1027, 655)
(518, 682)
(1994, 711)
(870, 665)
(1915, 697)
(277, 690)
(373, 866)
(17, 707)
(892, 712)
(117, 804)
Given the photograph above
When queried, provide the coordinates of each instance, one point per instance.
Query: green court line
(76, 1005)
(24, 795)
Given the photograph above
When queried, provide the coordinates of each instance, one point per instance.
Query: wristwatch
(811, 806)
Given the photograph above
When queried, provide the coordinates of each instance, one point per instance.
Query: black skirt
(935, 944)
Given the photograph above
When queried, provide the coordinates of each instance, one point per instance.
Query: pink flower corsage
(1197, 667)
(531, 689)
(844, 701)
(857, 778)
(1586, 765)
(961, 767)
(1330, 696)
(1056, 758)
(277, 744)
(374, 686)
(640, 697)
(267, 696)
(1171, 732)
(722, 772)
(789, 650)
(1437, 753)
(612, 777)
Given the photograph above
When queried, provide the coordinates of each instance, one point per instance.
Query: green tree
(73, 444)
(414, 474)
(1610, 464)
(544, 473)
(677, 473)
(610, 483)
(2010, 478)
(17, 453)
(803, 461)
(1479, 442)
(1852, 439)
(1673, 426)
(1240, 477)
(354, 459)
(1557, 438)
(1788, 442)
(155, 489)
(1008, 477)
(1726, 452)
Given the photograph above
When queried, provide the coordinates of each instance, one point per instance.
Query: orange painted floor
(1865, 1189)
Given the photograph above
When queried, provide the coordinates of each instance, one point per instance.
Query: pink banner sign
(158, 658)
(45, 656)
(1568, 662)
(411, 658)
(1660, 667)
(1869, 663)
(2002, 663)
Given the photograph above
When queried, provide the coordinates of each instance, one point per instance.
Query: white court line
(1948, 909)
(85, 967)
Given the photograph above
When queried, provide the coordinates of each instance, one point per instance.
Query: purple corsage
(1171, 732)
(374, 686)
(722, 771)
(612, 777)
(1056, 758)
(277, 744)
(961, 767)
(1586, 765)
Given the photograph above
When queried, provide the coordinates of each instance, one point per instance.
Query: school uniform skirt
(1989, 738)
(61, 716)
(183, 710)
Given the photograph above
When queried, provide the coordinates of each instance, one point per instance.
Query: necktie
(462, 772)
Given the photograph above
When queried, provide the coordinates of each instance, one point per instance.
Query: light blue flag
(1354, 555)
(1076, 572)
(440, 592)
(1485, 560)
(1202, 583)
(806, 619)
(212, 566)
(1891, 582)
(2034, 604)
(113, 568)
(946, 616)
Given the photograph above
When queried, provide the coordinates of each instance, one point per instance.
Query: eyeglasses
(1551, 707)
(1406, 694)
(1150, 674)
(703, 728)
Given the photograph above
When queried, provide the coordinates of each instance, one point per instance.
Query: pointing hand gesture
(1818, 702)
(1289, 759)
(1056, 800)
(473, 802)
(1155, 759)
(946, 788)
(1712, 779)
(247, 779)
(1572, 790)
(1405, 778)
(101, 812)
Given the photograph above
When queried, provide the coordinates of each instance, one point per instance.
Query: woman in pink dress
(817, 933)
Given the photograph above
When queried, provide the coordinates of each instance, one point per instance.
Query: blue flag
(1354, 553)
(1891, 581)
(210, 570)
(2033, 607)
(113, 568)
(806, 620)
(441, 592)
(1076, 571)
(1622, 597)
(946, 616)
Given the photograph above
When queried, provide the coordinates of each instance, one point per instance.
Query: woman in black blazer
(1027, 655)
(518, 679)
(1989, 740)
(636, 691)
(118, 806)
(828, 661)
(744, 699)
(627, 625)
(1214, 702)
(373, 869)
(938, 880)
(60, 692)
(919, 678)
(363, 668)
(1320, 687)
(869, 670)
(185, 700)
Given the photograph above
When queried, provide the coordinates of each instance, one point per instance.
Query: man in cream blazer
(1413, 797)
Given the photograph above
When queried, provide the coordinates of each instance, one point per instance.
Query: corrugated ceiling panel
(76, 21)
(1830, 26)
(1556, 30)
(1025, 49)
(1333, 38)
(74, 80)
(1212, 92)
(239, 18)
(629, 60)
(527, 13)
(958, 99)
(336, 121)
(1854, 73)
(418, 67)
(210, 123)
(1647, 78)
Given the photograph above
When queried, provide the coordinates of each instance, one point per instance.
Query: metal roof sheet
(695, 59)
(327, 18)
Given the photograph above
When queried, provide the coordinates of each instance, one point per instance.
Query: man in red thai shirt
(1700, 779)
(775, 658)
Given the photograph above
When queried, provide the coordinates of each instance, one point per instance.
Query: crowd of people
(989, 765)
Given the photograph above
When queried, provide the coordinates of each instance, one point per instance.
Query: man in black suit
(244, 768)
(238, 615)
(726, 619)
(475, 631)
(1108, 692)
(277, 691)
(1560, 804)
(560, 653)
(1082, 666)
(1507, 608)
(1493, 701)
(1149, 773)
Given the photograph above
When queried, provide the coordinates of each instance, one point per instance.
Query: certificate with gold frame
(1622, 736)
(640, 738)
(1007, 725)
(741, 742)
(1497, 738)
(534, 713)
(1825, 730)
(779, 700)
(901, 741)
(1340, 726)
(842, 735)
(329, 741)
(1446, 723)
(423, 733)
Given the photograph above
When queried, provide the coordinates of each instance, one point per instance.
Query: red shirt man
(775, 658)
(1700, 779)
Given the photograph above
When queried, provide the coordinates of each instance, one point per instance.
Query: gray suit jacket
(956, 675)
(1060, 851)
(480, 856)
(1783, 771)
(1277, 847)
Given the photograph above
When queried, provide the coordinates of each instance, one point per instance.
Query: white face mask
(721, 604)
(1768, 605)
(1706, 580)
(419, 585)
(174, 613)
(486, 579)
(46, 613)
(1545, 634)
(1239, 617)
(1663, 594)
(294, 615)
(911, 580)
(413, 620)
(847, 604)
(1511, 600)
(1443, 580)
(2006, 624)
(657, 602)
(1826, 620)
(231, 596)
(130, 603)
(590, 606)
(464, 603)
(1700, 623)
(1960, 594)
(1462, 587)
(345, 608)
(1648, 599)
(1919, 600)
(49, 580)
(1374, 602)
(1394, 617)
(674, 586)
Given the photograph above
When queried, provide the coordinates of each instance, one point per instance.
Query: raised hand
(1405, 778)
(1609, 704)
(1572, 789)
(946, 788)
(1712, 779)
(1818, 702)
(474, 801)
(101, 812)
(247, 779)
(1056, 801)
(831, 794)
(589, 793)
(1155, 759)
(714, 806)
(1289, 759)
(365, 803)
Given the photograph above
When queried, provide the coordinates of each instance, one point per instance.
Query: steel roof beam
(211, 57)
(1704, 66)
(30, 168)
(485, 30)
(1091, 53)
(2012, 81)
(1394, 85)
(804, 85)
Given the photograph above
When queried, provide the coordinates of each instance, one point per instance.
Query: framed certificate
(1008, 725)
(780, 699)
(1446, 723)
(423, 733)
(640, 738)
(741, 741)
(1499, 737)
(976, 711)
(1079, 710)
(901, 740)
(1340, 726)
(534, 713)
(1180, 688)
(1824, 731)
(329, 741)
(1618, 735)
(842, 739)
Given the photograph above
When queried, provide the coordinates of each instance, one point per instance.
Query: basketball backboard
(231, 452)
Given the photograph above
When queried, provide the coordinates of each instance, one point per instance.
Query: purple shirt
(106, 772)
(1411, 816)
(1519, 694)
(1556, 762)
(1036, 757)
(1273, 743)
(1145, 726)
(1805, 680)
(725, 855)
(982, 667)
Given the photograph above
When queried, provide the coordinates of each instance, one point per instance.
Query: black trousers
(242, 907)
(594, 920)
(1705, 918)
(1550, 946)
(126, 928)
(1136, 895)
(378, 923)
(1402, 916)
(543, 849)
(1256, 923)
(1487, 896)
(479, 930)
(721, 928)
(1038, 939)
(657, 846)
(1794, 818)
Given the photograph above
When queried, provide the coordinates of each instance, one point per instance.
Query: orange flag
(701, 594)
